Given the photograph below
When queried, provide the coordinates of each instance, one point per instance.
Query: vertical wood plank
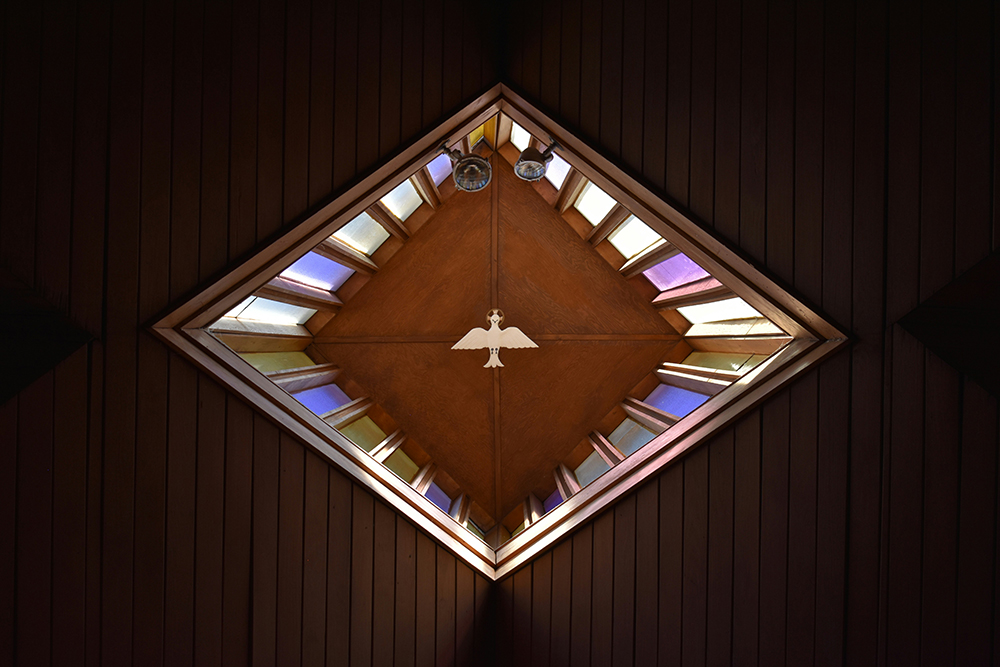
(411, 72)
(695, 550)
(633, 76)
(592, 47)
(238, 522)
(753, 128)
(647, 509)
(404, 633)
(702, 182)
(569, 62)
(719, 591)
(562, 591)
(208, 524)
(8, 523)
(322, 65)
(362, 545)
(801, 610)
(291, 480)
(774, 529)
(678, 172)
(728, 42)
(389, 82)
(583, 550)
(295, 175)
(466, 651)
(243, 129)
(520, 639)
(781, 139)
(426, 600)
(264, 588)
(433, 72)
(541, 608)
(976, 526)
(601, 615)
(485, 634)
(338, 574)
(69, 519)
(654, 130)
(384, 574)
(33, 608)
(746, 540)
(270, 118)
(671, 531)
(315, 538)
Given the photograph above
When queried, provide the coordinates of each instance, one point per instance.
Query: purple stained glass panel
(678, 270)
(552, 501)
(674, 400)
(318, 271)
(440, 168)
(323, 399)
(438, 497)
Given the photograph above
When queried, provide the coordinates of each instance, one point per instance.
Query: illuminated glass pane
(402, 465)
(274, 312)
(440, 168)
(474, 529)
(674, 400)
(630, 436)
(364, 433)
(557, 171)
(517, 530)
(363, 234)
(318, 271)
(673, 272)
(718, 311)
(592, 467)
(519, 136)
(477, 134)
(723, 361)
(594, 204)
(323, 399)
(268, 362)
(403, 200)
(552, 501)
(240, 307)
(438, 497)
(633, 236)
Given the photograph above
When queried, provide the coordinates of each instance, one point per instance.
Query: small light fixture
(470, 172)
(532, 164)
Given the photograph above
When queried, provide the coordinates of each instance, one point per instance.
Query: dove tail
(494, 362)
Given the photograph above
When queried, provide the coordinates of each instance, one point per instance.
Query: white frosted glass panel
(633, 236)
(240, 307)
(592, 467)
(275, 312)
(440, 168)
(630, 436)
(403, 201)
(519, 136)
(718, 311)
(594, 204)
(362, 234)
(318, 271)
(557, 171)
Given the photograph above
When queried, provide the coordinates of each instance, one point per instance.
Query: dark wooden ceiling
(498, 433)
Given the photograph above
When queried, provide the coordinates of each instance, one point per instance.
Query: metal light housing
(532, 163)
(471, 173)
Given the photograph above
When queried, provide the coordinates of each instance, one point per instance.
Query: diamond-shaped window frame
(813, 337)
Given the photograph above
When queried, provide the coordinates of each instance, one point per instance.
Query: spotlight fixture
(532, 164)
(471, 172)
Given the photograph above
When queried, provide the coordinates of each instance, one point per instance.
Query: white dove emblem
(494, 339)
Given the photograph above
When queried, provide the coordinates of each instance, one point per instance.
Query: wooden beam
(533, 509)
(460, 507)
(654, 419)
(466, 146)
(384, 449)
(249, 336)
(739, 344)
(422, 481)
(695, 383)
(611, 455)
(347, 413)
(492, 130)
(667, 301)
(641, 263)
(390, 223)
(570, 190)
(297, 294)
(344, 254)
(713, 373)
(566, 481)
(615, 217)
(295, 380)
(424, 183)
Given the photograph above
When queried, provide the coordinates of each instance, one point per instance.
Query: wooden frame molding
(808, 339)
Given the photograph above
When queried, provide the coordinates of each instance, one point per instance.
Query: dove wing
(512, 337)
(474, 340)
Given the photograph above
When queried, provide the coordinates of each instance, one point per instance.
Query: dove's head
(495, 316)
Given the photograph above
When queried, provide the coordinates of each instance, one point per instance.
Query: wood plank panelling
(150, 518)
(147, 516)
(847, 518)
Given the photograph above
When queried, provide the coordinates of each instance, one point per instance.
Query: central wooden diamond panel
(597, 338)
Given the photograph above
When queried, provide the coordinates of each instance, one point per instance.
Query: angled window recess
(341, 331)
